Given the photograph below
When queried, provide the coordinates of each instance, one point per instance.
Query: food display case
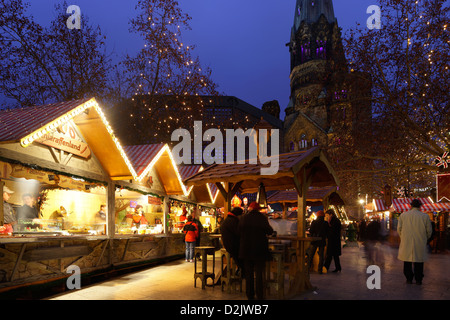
(138, 213)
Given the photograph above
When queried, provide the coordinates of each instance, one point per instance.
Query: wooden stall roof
(206, 193)
(158, 156)
(379, 205)
(202, 194)
(313, 160)
(313, 196)
(404, 204)
(27, 124)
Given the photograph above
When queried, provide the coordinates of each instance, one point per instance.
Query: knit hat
(237, 211)
(255, 206)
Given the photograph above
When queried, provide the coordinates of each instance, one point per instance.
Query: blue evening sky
(242, 41)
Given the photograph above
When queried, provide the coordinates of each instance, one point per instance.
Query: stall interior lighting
(155, 160)
(213, 197)
(50, 127)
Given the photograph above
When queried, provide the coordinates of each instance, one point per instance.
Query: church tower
(318, 69)
(329, 103)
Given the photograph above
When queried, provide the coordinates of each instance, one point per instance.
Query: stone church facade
(321, 84)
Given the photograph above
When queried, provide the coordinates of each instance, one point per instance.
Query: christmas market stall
(327, 197)
(62, 169)
(204, 196)
(296, 170)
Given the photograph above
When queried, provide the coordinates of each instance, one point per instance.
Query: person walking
(414, 229)
(190, 230)
(370, 244)
(254, 228)
(319, 228)
(230, 234)
(334, 241)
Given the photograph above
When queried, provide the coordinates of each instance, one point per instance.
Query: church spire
(310, 11)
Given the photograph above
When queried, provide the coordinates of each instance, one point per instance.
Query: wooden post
(228, 193)
(111, 204)
(111, 217)
(2, 218)
(166, 214)
(302, 185)
(227, 204)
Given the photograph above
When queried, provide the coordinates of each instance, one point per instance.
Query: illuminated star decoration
(401, 192)
(442, 161)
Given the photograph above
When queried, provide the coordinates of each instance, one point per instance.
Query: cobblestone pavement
(174, 281)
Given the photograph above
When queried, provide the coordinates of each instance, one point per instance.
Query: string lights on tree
(165, 79)
(407, 62)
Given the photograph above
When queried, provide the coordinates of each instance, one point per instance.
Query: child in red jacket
(190, 230)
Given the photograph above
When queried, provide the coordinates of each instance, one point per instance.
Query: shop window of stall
(138, 213)
(209, 220)
(178, 212)
(48, 203)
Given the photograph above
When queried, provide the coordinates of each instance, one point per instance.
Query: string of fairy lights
(165, 54)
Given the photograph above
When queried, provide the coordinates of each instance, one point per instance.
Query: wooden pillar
(2, 218)
(111, 217)
(302, 184)
(283, 207)
(227, 197)
(301, 216)
(111, 206)
(228, 191)
(325, 203)
(166, 214)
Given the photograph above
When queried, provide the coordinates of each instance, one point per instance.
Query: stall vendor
(137, 217)
(9, 215)
(27, 213)
(61, 216)
(100, 218)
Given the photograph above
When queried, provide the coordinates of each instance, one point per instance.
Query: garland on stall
(36, 167)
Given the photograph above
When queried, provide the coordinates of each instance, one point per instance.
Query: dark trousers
(337, 261)
(254, 277)
(321, 256)
(410, 274)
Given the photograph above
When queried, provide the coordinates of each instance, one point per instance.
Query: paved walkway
(174, 281)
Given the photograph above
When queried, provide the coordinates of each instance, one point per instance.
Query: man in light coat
(414, 228)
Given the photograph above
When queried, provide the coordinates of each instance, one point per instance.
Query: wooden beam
(235, 188)
(110, 205)
(45, 164)
(222, 190)
(19, 258)
(119, 178)
(304, 182)
(166, 217)
(2, 218)
(53, 253)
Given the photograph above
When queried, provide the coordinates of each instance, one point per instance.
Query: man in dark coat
(196, 220)
(254, 228)
(334, 241)
(319, 228)
(230, 234)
